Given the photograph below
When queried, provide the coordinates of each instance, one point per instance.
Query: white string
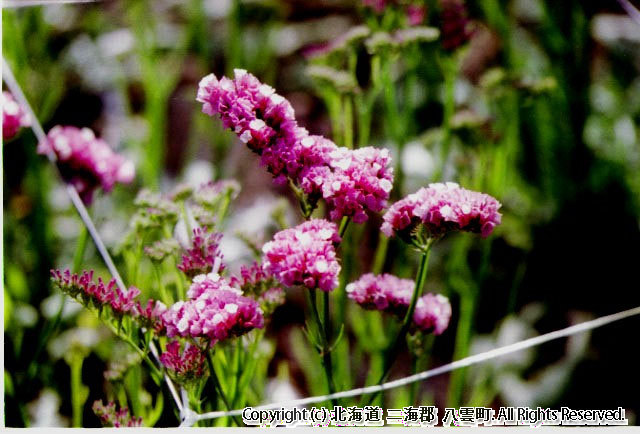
(631, 10)
(25, 3)
(462, 363)
(16, 90)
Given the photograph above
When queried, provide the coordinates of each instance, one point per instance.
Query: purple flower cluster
(262, 286)
(443, 208)
(86, 161)
(351, 182)
(432, 314)
(214, 311)
(204, 256)
(185, 366)
(386, 292)
(304, 255)
(82, 288)
(112, 418)
(392, 294)
(13, 116)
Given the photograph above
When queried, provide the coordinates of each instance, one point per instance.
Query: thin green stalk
(79, 392)
(463, 336)
(216, 383)
(324, 352)
(449, 70)
(347, 119)
(392, 351)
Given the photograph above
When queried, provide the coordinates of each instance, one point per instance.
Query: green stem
(216, 383)
(325, 351)
(348, 121)
(392, 351)
(449, 66)
(79, 392)
(463, 336)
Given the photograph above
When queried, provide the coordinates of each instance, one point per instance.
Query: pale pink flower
(432, 314)
(13, 116)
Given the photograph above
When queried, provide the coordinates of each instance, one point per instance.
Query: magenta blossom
(83, 289)
(432, 314)
(185, 366)
(304, 255)
(204, 256)
(385, 292)
(112, 418)
(86, 161)
(260, 285)
(443, 208)
(13, 116)
(215, 311)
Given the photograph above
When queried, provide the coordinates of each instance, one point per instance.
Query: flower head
(186, 366)
(215, 311)
(454, 24)
(117, 419)
(204, 256)
(304, 255)
(432, 314)
(150, 316)
(260, 285)
(385, 292)
(86, 161)
(13, 116)
(443, 208)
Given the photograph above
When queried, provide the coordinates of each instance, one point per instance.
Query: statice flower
(215, 311)
(432, 314)
(150, 316)
(86, 161)
(454, 26)
(260, 285)
(360, 180)
(86, 291)
(204, 256)
(254, 111)
(443, 208)
(304, 255)
(112, 418)
(385, 292)
(186, 366)
(13, 116)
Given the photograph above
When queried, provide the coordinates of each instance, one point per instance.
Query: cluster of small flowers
(260, 285)
(214, 311)
(454, 24)
(392, 294)
(304, 255)
(350, 181)
(204, 256)
(13, 116)
(83, 289)
(184, 367)
(86, 161)
(443, 208)
(112, 418)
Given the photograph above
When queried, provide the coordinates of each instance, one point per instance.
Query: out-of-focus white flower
(198, 172)
(417, 161)
(50, 306)
(43, 410)
(76, 337)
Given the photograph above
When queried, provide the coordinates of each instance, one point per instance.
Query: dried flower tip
(161, 249)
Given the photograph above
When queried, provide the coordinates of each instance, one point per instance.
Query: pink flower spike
(304, 255)
(13, 116)
(86, 161)
(204, 256)
(185, 366)
(432, 314)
